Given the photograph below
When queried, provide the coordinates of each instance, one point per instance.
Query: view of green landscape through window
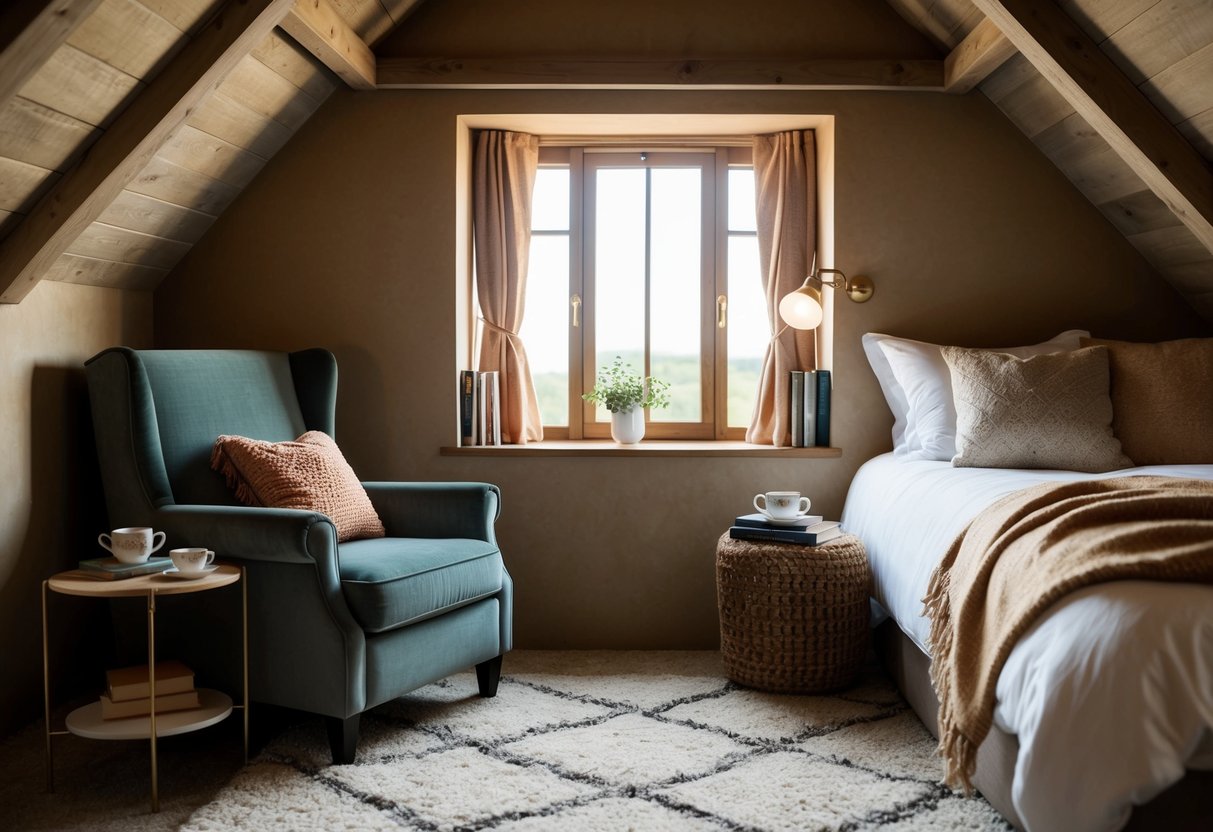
(670, 246)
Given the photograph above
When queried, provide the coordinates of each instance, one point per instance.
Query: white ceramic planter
(627, 428)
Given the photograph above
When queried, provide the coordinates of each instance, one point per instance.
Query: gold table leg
(151, 681)
(244, 621)
(46, 694)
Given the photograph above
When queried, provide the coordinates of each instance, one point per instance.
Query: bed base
(1185, 807)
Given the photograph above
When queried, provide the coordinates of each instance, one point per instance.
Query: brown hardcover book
(142, 707)
(129, 683)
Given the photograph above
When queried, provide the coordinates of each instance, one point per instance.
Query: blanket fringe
(958, 752)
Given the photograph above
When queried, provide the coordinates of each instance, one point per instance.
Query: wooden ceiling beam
(757, 74)
(320, 29)
(976, 57)
(1114, 107)
(30, 30)
(131, 141)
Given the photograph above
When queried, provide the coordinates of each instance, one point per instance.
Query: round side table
(87, 721)
(793, 619)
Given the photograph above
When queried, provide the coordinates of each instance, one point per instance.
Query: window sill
(646, 448)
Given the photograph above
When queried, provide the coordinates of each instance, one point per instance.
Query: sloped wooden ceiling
(1147, 166)
(127, 126)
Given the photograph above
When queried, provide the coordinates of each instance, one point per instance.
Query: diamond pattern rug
(597, 741)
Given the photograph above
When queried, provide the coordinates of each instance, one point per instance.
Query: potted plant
(626, 394)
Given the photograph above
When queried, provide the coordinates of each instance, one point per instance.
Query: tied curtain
(503, 179)
(785, 183)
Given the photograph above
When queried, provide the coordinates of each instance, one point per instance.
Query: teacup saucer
(174, 572)
(785, 521)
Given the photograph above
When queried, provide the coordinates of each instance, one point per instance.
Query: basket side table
(86, 721)
(793, 619)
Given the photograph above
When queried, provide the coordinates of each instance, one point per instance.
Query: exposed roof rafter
(976, 57)
(622, 73)
(131, 141)
(320, 29)
(1114, 107)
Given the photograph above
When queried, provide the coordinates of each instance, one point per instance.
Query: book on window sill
(124, 684)
(813, 535)
(796, 401)
(142, 707)
(112, 569)
(760, 521)
(810, 409)
(467, 407)
(824, 388)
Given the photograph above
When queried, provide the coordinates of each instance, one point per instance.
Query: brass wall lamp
(801, 309)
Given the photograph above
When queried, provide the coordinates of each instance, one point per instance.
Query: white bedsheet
(1110, 694)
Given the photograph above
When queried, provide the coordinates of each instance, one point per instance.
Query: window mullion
(577, 335)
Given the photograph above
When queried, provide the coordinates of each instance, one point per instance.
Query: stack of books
(112, 569)
(479, 407)
(810, 530)
(128, 694)
(810, 403)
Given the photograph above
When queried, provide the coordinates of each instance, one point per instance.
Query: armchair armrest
(437, 509)
(276, 535)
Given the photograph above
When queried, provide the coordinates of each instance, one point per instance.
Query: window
(651, 256)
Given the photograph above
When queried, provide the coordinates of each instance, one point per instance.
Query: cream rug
(573, 741)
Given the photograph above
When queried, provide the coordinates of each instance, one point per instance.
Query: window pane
(619, 259)
(544, 329)
(742, 215)
(675, 279)
(550, 203)
(749, 329)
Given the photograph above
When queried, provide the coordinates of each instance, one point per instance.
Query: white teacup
(192, 559)
(131, 545)
(782, 505)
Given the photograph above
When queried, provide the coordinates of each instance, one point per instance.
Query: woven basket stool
(793, 619)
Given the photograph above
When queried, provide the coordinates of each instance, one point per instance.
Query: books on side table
(809, 530)
(128, 694)
(112, 569)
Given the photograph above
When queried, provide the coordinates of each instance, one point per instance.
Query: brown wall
(347, 241)
(51, 506)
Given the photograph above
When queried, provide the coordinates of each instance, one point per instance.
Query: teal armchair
(334, 629)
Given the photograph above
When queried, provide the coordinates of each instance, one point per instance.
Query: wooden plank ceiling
(1161, 48)
(127, 126)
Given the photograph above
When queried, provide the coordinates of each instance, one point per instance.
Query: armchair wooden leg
(343, 738)
(487, 675)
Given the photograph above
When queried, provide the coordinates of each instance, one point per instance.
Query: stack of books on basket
(128, 694)
(808, 530)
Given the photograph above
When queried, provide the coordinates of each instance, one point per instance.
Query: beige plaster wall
(51, 506)
(347, 241)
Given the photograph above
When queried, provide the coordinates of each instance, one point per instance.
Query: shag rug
(573, 741)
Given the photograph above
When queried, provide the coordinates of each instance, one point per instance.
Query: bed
(1104, 705)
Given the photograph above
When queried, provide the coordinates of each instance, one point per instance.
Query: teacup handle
(210, 558)
(763, 507)
(106, 543)
(803, 506)
(156, 545)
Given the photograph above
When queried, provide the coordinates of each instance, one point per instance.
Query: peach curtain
(503, 179)
(785, 182)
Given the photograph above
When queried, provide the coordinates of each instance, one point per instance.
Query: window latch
(722, 311)
(575, 302)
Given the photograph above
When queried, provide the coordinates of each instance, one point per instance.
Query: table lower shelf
(87, 721)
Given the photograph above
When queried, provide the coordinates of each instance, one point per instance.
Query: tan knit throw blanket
(1025, 552)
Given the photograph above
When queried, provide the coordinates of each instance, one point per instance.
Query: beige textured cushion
(1048, 411)
(309, 473)
(1162, 399)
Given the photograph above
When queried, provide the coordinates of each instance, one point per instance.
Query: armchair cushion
(393, 581)
(309, 473)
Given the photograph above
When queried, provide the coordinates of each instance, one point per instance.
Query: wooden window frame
(715, 160)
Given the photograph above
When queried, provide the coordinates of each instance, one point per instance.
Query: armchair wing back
(333, 629)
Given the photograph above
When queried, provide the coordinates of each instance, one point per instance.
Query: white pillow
(918, 387)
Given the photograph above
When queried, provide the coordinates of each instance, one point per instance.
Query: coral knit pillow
(309, 473)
